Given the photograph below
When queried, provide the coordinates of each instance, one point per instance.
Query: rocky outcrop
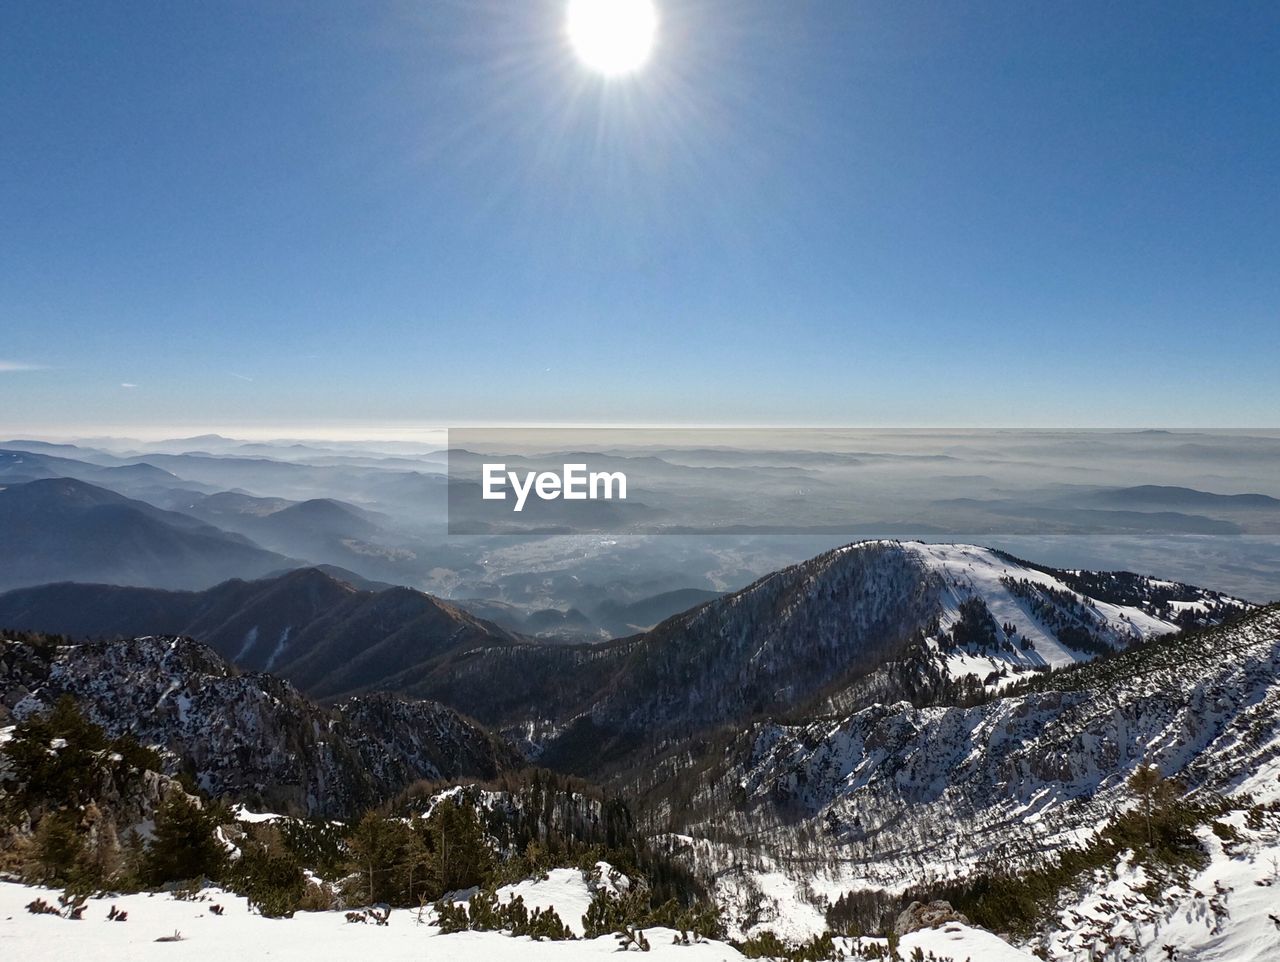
(933, 915)
(251, 737)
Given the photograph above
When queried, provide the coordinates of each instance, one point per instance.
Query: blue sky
(862, 213)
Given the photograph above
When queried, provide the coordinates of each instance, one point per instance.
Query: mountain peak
(312, 576)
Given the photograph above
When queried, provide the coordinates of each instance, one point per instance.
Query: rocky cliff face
(247, 736)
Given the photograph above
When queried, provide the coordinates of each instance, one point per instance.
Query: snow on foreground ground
(307, 937)
(318, 936)
(1229, 911)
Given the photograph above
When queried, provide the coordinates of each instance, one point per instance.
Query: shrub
(486, 914)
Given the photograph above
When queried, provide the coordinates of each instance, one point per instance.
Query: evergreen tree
(390, 859)
(185, 845)
(58, 849)
(267, 874)
(1154, 790)
(56, 758)
(461, 853)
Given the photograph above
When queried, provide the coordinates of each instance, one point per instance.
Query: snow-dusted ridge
(873, 621)
(968, 570)
(877, 792)
(893, 795)
(1048, 613)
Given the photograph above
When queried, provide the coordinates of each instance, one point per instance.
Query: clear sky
(861, 213)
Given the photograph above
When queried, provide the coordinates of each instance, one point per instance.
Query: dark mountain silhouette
(321, 529)
(1171, 497)
(139, 479)
(61, 529)
(324, 634)
(625, 618)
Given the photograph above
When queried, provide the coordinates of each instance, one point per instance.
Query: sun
(612, 37)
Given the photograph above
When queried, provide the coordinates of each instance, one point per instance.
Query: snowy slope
(894, 795)
(968, 570)
(953, 941)
(1046, 619)
(1227, 912)
(566, 890)
(320, 936)
(1224, 913)
(307, 937)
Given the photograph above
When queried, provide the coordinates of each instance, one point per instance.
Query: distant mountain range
(379, 511)
(90, 531)
(60, 529)
(1140, 510)
(1171, 497)
(627, 618)
(608, 619)
(871, 622)
(319, 529)
(138, 479)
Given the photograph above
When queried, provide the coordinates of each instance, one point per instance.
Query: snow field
(239, 934)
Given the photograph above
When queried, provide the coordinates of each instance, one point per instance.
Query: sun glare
(612, 37)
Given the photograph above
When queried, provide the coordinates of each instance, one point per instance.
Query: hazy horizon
(431, 434)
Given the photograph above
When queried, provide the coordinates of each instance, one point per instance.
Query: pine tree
(462, 857)
(1154, 789)
(267, 874)
(391, 859)
(185, 845)
(58, 848)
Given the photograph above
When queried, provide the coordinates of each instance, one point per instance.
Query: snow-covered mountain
(872, 622)
(894, 795)
(885, 718)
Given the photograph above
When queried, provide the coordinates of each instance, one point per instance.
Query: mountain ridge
(250, 736)
(59, 529)
(893, 795)
(329, 637)
(826, 628)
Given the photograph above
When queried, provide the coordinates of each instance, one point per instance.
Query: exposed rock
(918, 915)
(251, 737)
